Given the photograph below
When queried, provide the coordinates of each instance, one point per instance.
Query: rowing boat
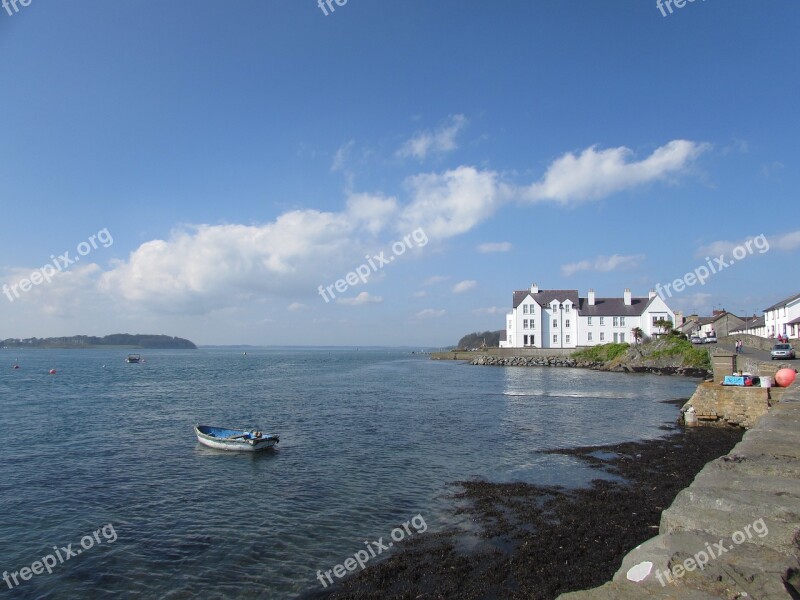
(240, 440)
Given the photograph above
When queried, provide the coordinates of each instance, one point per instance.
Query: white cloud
(492, 310)
(595, 174)
(440, 141)
(434, 279)
(464, 286)
(430, 313)
(786, 241)
(758, 244)
(451, 203)
(342, 156)
(489, 247)
(295, 306)
(202, 267)
(699, 303)
(772, 168)
(603, 264)
(362, 298)
(373, 212)
(420, 294)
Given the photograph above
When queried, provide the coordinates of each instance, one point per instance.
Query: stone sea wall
(733, 533)
(739, 406)
(566, 361)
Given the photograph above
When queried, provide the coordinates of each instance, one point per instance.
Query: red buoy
(16, 366)
(785, 377)
(52, 371)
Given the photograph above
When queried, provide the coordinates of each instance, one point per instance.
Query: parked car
(696, 339)
(782, 351)
(711, 339)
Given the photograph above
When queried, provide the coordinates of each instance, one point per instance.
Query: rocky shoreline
(565, 361)
(542, 541)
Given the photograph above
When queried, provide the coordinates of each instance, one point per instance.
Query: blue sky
(241, 155)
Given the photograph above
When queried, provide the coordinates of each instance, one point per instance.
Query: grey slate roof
(603, 307)
(751, 323)
(783, 302)
(545, 297)
(613, 307)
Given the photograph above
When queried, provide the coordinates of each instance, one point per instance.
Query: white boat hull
(236, 445)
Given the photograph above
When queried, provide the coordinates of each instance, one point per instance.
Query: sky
(275, 172)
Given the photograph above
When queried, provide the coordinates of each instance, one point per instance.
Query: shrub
(601, 353)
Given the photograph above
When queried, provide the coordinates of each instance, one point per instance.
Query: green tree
(664, 324)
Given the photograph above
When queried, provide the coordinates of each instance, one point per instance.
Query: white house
(752, 326)
(783, 318)
(562, 319)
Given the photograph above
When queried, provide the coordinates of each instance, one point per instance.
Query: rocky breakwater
(662, 367)
(532, 361)
(734, 532)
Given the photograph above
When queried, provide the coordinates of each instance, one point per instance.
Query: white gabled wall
(552, 320)
(657, 309)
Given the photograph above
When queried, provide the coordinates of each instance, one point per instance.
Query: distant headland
(116, 340)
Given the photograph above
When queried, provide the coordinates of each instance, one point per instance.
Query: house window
(555, 324)
(622, 338)
(524, 309)
(568, 339)
(526, 340)
(531, 323)
(566, 323)
(602, 320)
(525, 324)
(616, 321)
(655, 319)
(566, 308)
(590, 321)
(602, 337)
(590, 336)
(622, 321)
(555, 339)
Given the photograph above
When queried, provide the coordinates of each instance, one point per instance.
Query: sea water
(370, 438)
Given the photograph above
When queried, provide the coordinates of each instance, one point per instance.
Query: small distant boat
(234, 439)
(133, 358)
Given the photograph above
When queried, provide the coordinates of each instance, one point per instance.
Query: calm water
(369, 439)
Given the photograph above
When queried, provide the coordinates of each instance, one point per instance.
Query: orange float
(785, 377)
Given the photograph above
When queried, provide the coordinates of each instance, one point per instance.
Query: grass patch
(601, 353)
(692, 357)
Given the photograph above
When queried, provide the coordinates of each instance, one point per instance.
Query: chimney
(679, 320)
(534, 288)
(651, 295)
(591, 297)
(627, 297)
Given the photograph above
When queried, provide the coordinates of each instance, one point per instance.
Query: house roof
(603, 307)
(794, 321)
(788, 300)
(545, 297)
(613, 307)
(717, 317)
(751, 323)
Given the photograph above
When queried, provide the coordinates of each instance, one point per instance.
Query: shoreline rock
(540, 541)
(566, 361)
